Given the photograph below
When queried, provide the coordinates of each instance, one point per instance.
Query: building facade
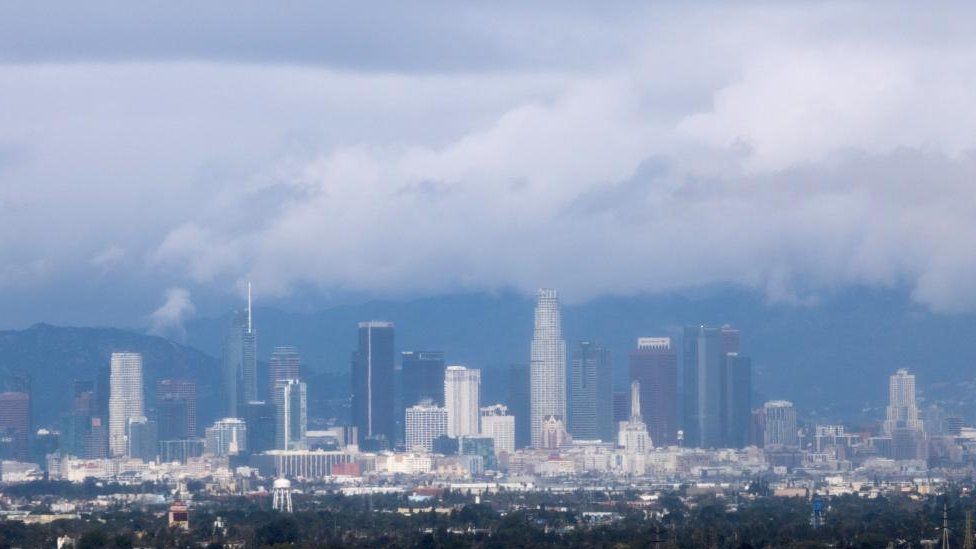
(425, 421)
(423, 377)
(497, 424)
(126, 398)
(239, 358)
(285, 363)
(703, 361)
(779, 424)
(462, 388)
(547, 365)
(591, 393)
(291, 414)
(373, 383)
(227, 437)
(654, 365)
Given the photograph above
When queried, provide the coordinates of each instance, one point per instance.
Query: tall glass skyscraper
(591, 393)
(703, 361)
(738, 399)
(373, 383)
(240, 363)
(126, 399)
(548, 364)
(462, 388)
(423, 377)
(285, 363)
(519, 399)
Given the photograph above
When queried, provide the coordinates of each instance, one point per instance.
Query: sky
(155, 157)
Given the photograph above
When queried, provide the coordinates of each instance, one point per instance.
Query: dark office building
(373, 383)
(654, 364)
(591, 393)
(15, 424)
(259, 416)
(171, 418)
(519, 381)
(738, 399)
(184, 390)
(621, 407)
(703, 363)
(423, 377)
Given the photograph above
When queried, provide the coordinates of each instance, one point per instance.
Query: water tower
(281, 495)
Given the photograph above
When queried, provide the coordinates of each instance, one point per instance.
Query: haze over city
(483, 274)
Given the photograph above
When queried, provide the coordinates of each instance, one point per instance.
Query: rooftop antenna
(249, 307)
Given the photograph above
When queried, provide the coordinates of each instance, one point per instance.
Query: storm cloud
(793, 149)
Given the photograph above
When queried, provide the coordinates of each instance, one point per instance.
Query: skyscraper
(591, 393)
(902, 412)
(499, 426)
(184, 390)
(462, 388)
(15, 423)
(372, 382)
(240, 365)
(425, 421)
(227, 437)
(126, 398)
(423, 377)
(779, 427)
(738, 399)
(519, 398)
(260, 416)
(291, 415)
(547, 366)
(703, 387)
(654, 364)
(285, 363)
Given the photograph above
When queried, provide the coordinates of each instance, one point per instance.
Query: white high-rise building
(902, 410)
(425, 422)
(779, 424)
(125, 398)
(547, 366)
(499, 426)
(291, 414)
(633, 436)
(461, 388)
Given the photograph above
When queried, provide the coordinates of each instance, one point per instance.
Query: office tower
(259, 415)
(141, 438)
(423, 377)
(519, 398)
(731, 339)
(373, 385)
(126, 399)
(425, 421)
(461, 398)
(621, 406)
(285, 363)
(184, 390)
(633, 436)
(499, 426)
(654, 364)
(738, 399)
(703, 362)
(291, 419)
(171, 418)
(548, 365)
(591, 393)
(15, 423)
(779, 424)
(902, 409)
(227, 437)
(240, 364)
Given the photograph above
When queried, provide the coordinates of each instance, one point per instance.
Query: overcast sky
(155, 155)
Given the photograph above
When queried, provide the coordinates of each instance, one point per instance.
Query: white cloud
(168, 319)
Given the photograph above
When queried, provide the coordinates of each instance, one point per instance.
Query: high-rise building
(285, 363)
(519, 398)
(731, 339)
(425, 421)
(140, 438)
(373, 384)
(171, 418)
(423, 377)
(462, 388)
(654, 364)
(548, 365)
(227, 437)
(703, 362)
(591, 393)
(738, 399)
(126, 399)
(779, 427)
(902, 409)
(499, 426)
(291, 415)
(621, 406)
(259, 415)
(553, 434)
(184, 390)
(240, 384)
(15, 423)
(633, 436)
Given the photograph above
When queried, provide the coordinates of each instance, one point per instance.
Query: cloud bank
(782, 148)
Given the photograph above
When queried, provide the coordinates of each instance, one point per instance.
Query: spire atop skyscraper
(249, 325)
(635, 410)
